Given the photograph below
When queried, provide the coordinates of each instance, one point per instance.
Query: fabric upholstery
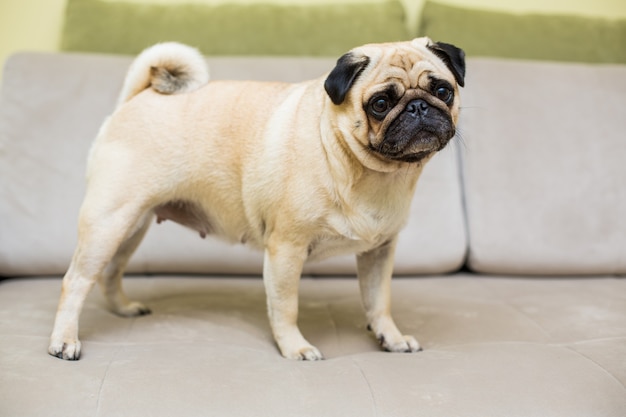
(544, 167)
(492, 347)
(125, 27)
(550, 37)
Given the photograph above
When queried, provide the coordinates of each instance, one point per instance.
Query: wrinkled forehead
(411, 64)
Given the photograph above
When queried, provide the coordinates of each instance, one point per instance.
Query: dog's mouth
(416, 157)
(413, 147)
(414, 136)
(402, 156)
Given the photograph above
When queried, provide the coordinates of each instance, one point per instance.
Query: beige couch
(510, 271)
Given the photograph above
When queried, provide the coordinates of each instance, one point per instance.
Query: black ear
(453, 57)
(341, 78)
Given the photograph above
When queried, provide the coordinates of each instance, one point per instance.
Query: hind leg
(102, 232)
(111, 279)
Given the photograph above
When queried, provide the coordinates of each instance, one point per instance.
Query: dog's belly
(190, 214)
(185, 213)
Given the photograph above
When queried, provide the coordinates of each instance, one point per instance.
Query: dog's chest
(334, 245)
(365, 215)
(360, 230)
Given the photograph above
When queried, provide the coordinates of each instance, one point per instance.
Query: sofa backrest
(545, 167)
(51, 107)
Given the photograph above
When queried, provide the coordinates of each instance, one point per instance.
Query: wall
(35, 25)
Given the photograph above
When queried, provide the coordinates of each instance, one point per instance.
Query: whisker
(459, 140)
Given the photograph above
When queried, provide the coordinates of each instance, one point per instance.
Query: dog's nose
(417, 108)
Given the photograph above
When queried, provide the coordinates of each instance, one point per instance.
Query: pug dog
(301, 171)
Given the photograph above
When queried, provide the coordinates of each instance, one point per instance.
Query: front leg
(374, 270)
(282, 268)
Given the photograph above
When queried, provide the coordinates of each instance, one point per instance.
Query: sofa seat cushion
(544, 167)
(492, 346)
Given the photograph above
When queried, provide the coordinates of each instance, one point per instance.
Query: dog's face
(399, 102)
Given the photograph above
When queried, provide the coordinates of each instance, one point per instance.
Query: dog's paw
(406, 344)
(391, 340)
(394, 341)
(67, 350)
(306, 353)
(131, 309)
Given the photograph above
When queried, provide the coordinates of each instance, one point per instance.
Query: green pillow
(526, 36)
(232, 29)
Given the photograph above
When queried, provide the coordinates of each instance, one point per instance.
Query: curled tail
(167, 68)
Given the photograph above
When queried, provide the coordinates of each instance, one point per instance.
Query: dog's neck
(353, 162)
(360, 172)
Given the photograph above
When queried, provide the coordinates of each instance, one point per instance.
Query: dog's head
(398, 101)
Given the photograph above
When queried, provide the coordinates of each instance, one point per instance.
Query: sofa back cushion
(544, 167)
(537, 36)
(50, 110)
(227, 28)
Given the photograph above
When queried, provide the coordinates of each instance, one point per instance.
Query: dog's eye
(444, 94)
(380, 106)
